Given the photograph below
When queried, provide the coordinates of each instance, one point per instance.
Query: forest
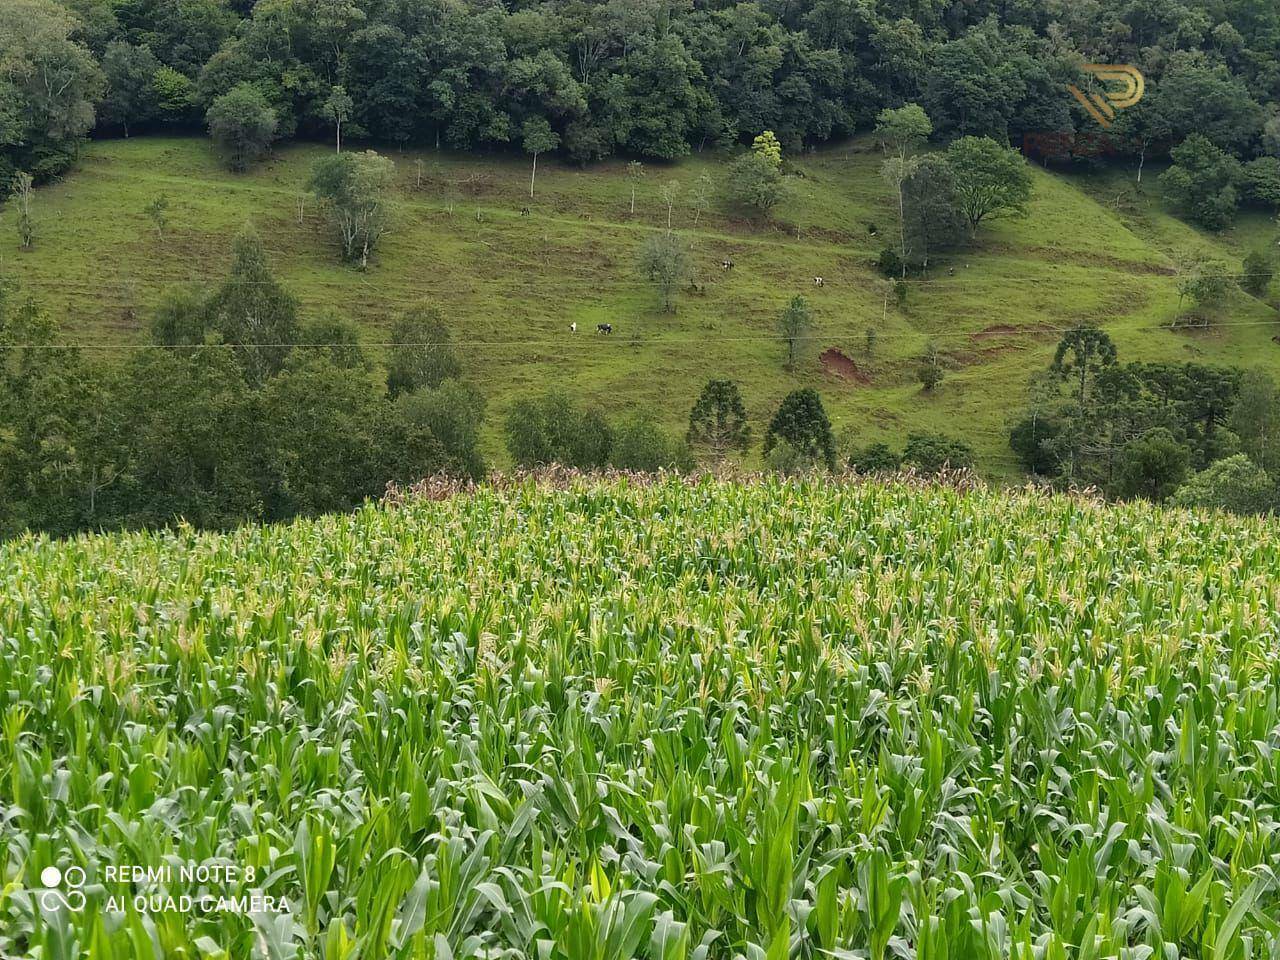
(650, 79)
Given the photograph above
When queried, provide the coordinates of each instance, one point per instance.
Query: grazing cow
(573, 327)
(951, 271)
(524, 211)
(604, 328)
(819, 282)
(726, 265)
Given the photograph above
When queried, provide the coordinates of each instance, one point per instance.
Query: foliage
(1032, 440)
(23, 194)
(718, 421)
(890, 263)
(1261, 181)
(1203, 182)
(801, 421)
(437, 430)
(538, 137)
(756, 183)
(181, 318)
(322, 424)
(130, 97)
(421, 352)
(1255, 419)
(1258, 272)
(875, 458)
(157, 211)
(441, 769)
(930, 372)
(1236, 484)
(640, 444)
(664, 262)
(252, 312)
(931, 453)
(1082, 354)
(337, 110)
(49, 83)
(991, 180)
(794, 324)
(1153, 465)
(553, 429)
(903, 130)
(353, 189)
(1207, 286)
(932, 217)
(242, 125)
(767, 148)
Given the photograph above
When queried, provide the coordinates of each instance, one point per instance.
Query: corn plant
(681, 720)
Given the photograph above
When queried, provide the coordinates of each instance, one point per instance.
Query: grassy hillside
(511, 285)
(840, 716)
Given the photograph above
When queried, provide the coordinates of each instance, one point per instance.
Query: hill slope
(736, 707)
(511, 285)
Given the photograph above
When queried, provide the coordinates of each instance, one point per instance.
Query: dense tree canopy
(648, 79)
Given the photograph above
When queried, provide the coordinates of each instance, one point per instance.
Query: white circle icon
(50, 877)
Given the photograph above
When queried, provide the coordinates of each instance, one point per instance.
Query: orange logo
(1103, 106)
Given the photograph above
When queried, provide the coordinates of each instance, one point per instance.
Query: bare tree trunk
(533, 176)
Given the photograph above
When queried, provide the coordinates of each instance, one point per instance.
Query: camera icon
(53, 896)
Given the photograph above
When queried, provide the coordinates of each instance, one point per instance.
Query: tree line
(646, 79)
(1195, 434)
(235, 410)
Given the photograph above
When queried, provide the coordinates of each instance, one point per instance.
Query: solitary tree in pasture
(22, 197)
(793, 324)
(635, 174)
(354, 190)
(664, 262)
(157, 210)
(991, 180)
(538, 138)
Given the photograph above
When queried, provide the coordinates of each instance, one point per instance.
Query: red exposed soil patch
(833, 361)
(999, 330)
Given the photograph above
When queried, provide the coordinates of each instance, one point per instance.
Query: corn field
(679, 721)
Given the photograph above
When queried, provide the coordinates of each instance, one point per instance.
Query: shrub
(1235, 484)
(931, 453)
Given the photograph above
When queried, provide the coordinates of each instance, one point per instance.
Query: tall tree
(49, 83)
(802, 422)
(130, 98)
(1082, 354)
(793, 324)
(664, 262)
(931, 207)
(902, 132)
(718, 421)
(538, 138)
(252, 312)
(242, 124)
(354, 190)
(421, 355)
(1203, 182)
(337, 110)
(1255, 419)
(991, 180)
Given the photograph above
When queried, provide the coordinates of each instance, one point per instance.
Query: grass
(511, 285)
(771, 720)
